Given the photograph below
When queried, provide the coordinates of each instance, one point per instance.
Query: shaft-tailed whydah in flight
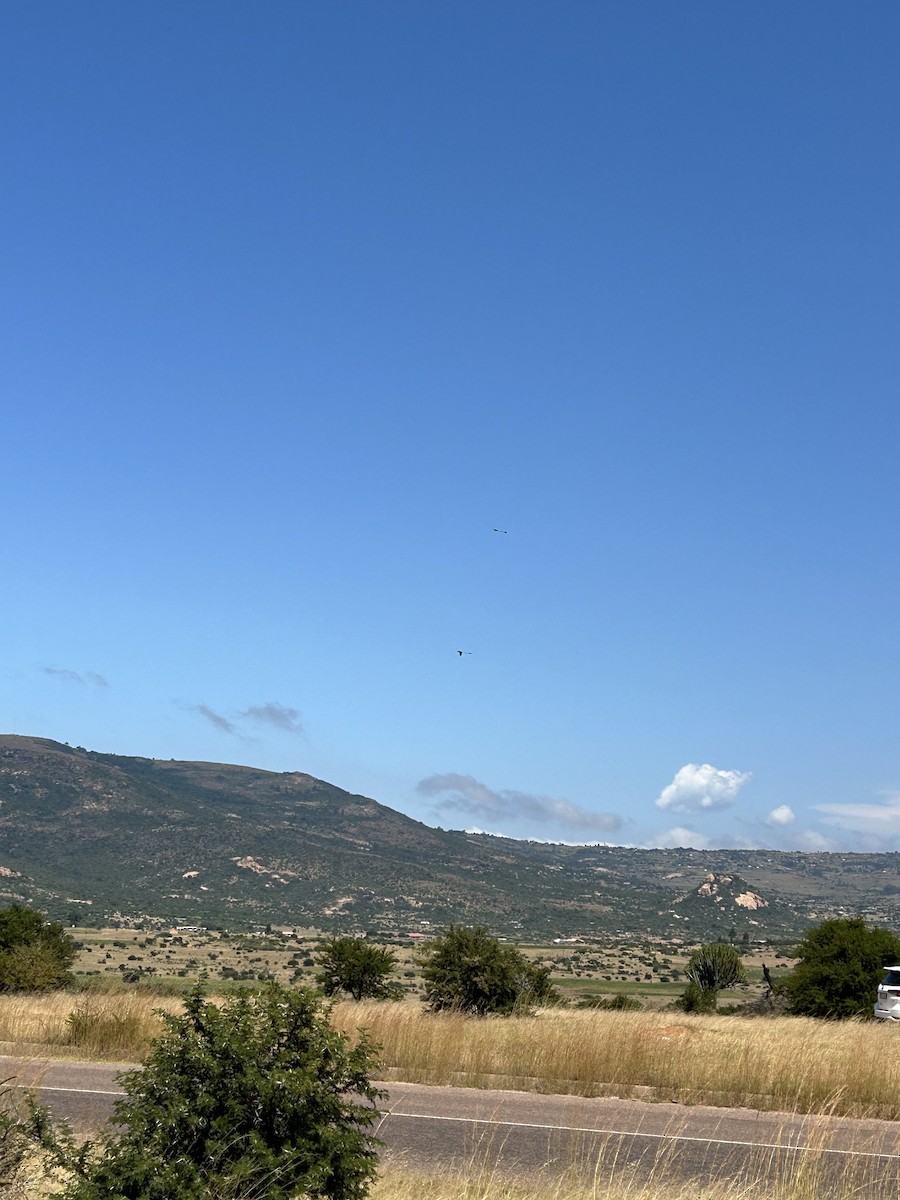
(496, 530)
(462, 652)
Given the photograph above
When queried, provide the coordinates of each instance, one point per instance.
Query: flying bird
(462, 652)
(496, 530)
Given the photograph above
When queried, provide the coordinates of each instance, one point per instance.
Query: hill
(92, 837)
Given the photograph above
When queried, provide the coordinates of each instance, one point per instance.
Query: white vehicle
(887, 1007)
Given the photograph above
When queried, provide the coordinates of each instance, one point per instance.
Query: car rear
(887, 1006)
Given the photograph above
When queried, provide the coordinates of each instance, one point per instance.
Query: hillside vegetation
(90, 838)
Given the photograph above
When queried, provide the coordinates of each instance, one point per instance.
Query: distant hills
(91, 837)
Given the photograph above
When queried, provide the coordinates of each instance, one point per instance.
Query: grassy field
(779, 1063)
(649, 971)
(126, 977)
(788, 1064)
(782, 1064)
(806, 1179)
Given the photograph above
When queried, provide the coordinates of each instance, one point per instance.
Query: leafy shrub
(839, 969)
(14, 1137)
(470, 971)
(35, 955)
(256, 1097)
(695, 999)
(357, 967)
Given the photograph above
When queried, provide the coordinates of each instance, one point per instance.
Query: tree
(351, 965)
(468, 970)
(255, 1097)
(714, 966)
(35, 954)
(839, 969)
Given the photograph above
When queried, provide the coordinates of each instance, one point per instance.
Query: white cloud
(782, 815)
(813, 841)
(680, 836)
(464, 793)
(881, 818)
(702, 789)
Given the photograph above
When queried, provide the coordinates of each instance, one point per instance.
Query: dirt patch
(675, 1033)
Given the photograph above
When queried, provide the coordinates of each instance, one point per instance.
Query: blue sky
(302, 302)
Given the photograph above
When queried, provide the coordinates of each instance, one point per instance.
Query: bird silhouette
(462, 652)
(496, 530)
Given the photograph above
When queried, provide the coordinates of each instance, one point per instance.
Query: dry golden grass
(787, 1064)
(805, 1180)
(806, 1175)
(115, 1026)
(480, 1182)
(781, 1063)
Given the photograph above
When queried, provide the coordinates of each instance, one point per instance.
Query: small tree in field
(468, 970)
(35, 954)
(354, 966)
(709, 969)
(839, 969)
(257, 1097)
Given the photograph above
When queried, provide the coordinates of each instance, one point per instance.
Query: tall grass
(94, 1025)
(480, 1181)
(805, 1179)
(612, 1173)
(788, 1064)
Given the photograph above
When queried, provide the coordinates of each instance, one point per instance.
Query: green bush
(695, 999)
(714, 966)
(256, 1097)
(35, 954)
(840, 967)
(468, 970)
(357, 967)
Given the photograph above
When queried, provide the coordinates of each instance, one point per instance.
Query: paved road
(445, 1128)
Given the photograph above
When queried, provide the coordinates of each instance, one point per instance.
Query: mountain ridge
(98, 837)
